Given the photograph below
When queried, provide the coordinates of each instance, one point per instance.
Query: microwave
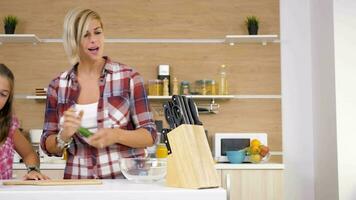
(223, 142)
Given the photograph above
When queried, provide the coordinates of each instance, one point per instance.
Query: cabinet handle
(228, 185)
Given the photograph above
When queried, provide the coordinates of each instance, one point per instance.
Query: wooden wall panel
(253, 69)
(149, 19)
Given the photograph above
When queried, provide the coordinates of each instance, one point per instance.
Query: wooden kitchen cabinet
(253, 184)
(51, 173)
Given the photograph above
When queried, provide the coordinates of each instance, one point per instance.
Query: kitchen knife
(168, 115)
(188, 110)
(194, 112)
(177, 101)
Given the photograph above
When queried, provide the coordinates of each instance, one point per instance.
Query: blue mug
(236, 157)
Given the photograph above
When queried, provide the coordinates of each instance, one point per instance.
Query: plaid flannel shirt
(7, 151)
(123, 103)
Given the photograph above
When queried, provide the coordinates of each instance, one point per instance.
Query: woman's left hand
(103, 137)
(34, 175)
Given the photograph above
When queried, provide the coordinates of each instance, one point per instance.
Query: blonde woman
(97, 93)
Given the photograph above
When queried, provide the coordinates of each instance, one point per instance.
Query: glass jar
(201, 87)
(184, 88)
(205, 87)
(155, 87)
(212, 88)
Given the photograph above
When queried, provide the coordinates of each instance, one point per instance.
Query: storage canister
(155, 87)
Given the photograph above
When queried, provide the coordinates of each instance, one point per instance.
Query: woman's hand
(71, 123)
(34, 175)
(104, 137)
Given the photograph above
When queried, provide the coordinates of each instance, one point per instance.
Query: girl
(10, 136)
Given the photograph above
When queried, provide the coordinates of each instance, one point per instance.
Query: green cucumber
(85, 132)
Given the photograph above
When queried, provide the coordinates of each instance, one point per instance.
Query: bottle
(175, 90)
(165, 87)
(163, 72)
(222, 81)
(161, 150)
(212, 87)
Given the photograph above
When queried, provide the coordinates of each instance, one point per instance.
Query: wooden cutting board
(55, 182)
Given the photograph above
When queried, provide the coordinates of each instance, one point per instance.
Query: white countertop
(44, 166)
(110, 189)
(247, 166)
(60, 166)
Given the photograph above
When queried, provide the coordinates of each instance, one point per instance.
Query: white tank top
(90, 115)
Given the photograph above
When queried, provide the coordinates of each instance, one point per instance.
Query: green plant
(10, 20)
(252, 21)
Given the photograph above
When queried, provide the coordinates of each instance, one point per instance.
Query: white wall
(297, 100)
(318, 48)
(345, 77)
(324, 108)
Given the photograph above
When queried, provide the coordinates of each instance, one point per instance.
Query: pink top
(7, 152)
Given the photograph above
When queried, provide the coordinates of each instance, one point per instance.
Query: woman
(106, 97)
(10, 137)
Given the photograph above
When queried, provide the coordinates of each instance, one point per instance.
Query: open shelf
(23, 96)
(158, 40)
(229, 39)
(19, 38)
(195, 97)
(202, 97)
(233, 39)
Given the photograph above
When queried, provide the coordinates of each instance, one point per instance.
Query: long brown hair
(6, 111)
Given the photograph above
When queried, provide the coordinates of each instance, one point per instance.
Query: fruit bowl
(144, 170)
(257, 152)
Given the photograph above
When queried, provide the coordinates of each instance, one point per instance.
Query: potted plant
(10, 23)
(252, 23)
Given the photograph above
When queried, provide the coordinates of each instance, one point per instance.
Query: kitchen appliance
(223, 142)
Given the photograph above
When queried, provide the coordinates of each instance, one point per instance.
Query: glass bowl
(144, 170)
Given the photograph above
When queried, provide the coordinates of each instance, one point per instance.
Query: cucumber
(85, 132)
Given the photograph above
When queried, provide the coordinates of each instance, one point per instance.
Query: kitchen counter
(110, 189)
(249, 166)
(44, 166)
(50, 166)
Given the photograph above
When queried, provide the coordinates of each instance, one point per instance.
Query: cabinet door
(254, 184)
(51, 173)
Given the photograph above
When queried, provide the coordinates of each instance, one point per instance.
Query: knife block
(190, 164)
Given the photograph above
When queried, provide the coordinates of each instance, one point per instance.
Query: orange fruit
(255, 142)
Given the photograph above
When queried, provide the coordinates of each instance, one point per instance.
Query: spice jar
(185, 88)
(155, 87)
(205, 87)
(201, 87)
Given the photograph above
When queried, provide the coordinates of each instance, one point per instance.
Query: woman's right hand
(71, 123)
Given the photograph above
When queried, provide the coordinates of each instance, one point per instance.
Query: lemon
(255, 142)
(255, 158)
(254, 149)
